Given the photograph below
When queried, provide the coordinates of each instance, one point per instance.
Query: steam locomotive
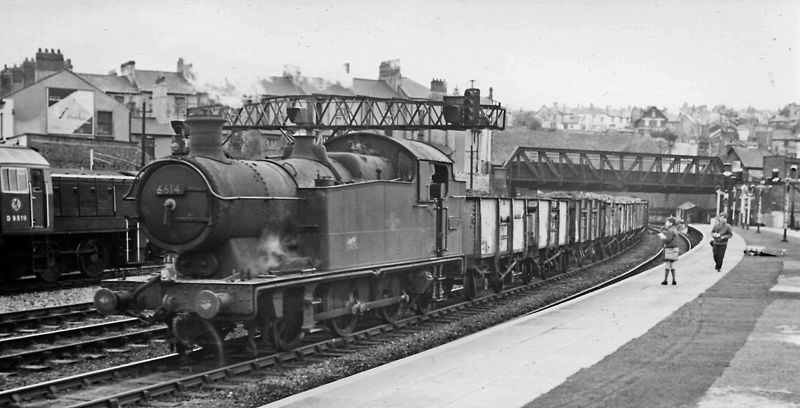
(56, 220)
(329, 232)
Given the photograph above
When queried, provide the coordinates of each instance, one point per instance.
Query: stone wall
(73, 153)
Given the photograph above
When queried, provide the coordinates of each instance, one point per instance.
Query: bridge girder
(568, 169)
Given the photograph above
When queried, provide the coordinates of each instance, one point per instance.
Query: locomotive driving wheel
(424, 301)
(341, 295)
(287, 332)
(92, 258)
(191, 332)
(48, 264)
(390, 287)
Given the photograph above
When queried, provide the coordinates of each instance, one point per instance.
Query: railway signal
(472, 107)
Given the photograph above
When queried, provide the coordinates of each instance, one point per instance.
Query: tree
(668, 135)
(524, 119)
(535, 124)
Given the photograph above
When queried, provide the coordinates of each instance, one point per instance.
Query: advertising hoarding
(70, 111)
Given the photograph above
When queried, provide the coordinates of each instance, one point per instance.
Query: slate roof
(65, 70)
(373, 88)
(145, 80)
(751, 158)
(285, 86)
(110, 83)
(413, 89)
(176, 83)
(279, 86)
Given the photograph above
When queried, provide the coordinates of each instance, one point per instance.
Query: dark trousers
(719, 254)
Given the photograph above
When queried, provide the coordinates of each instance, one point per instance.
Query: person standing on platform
(720, 234)
(669, 235)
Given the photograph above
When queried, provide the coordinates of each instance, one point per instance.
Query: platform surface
(535, 360)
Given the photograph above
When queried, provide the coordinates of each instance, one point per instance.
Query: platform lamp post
(760, 187)
(732, 177)
(787, 183)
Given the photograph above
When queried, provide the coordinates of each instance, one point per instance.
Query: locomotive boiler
(363, 223)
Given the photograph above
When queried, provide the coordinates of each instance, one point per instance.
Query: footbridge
(567, 169)
(667, 181)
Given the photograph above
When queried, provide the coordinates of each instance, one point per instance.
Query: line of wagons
(541, 236)
(54, 221)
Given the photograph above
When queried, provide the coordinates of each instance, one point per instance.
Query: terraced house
(80, 120)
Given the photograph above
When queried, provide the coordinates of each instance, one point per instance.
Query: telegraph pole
(471, 164)
(144, 106)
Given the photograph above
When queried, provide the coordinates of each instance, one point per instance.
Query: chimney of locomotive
(304, 145)
(205, 130)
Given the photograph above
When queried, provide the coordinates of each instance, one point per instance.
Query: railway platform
(713, 340)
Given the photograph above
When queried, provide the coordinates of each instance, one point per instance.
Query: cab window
(14, 180)
(405, 168)
(433, 178)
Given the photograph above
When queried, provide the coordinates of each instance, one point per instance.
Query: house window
(180, 106)
(104, 123)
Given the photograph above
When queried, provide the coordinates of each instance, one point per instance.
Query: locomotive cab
(26, 191)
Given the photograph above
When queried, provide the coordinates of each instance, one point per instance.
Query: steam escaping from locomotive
(271, 253)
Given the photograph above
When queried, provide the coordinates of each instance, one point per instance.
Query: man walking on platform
(720, 234)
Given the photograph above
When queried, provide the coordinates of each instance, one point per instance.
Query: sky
(531, 52)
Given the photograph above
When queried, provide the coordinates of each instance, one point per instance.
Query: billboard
(70, 111)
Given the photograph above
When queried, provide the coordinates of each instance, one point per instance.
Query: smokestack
(304, 146)
(205, 132)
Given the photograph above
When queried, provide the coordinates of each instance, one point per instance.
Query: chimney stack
(389, 72)
(439, 85)
(160, 101)
(128, 70)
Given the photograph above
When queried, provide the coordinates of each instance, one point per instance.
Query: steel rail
(26, 356)
(22, 317)
(50, 389)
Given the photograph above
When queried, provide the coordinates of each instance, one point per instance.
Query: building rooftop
(374, 88)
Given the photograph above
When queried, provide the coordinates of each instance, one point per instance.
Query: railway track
(37, 351)
(33, 319)
(122, 385)
(39, 339)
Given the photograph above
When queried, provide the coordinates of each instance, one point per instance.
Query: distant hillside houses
(712, 131)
